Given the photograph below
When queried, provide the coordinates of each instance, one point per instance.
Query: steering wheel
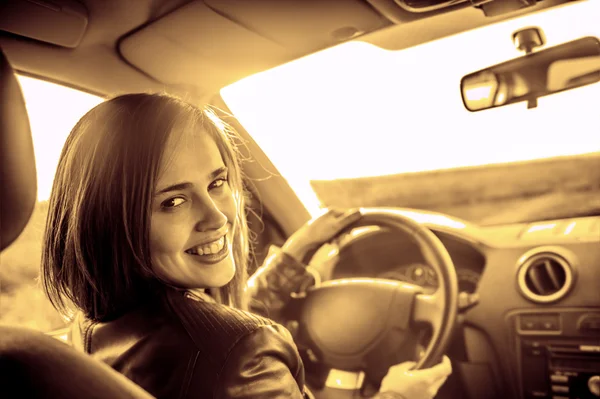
(353, 324)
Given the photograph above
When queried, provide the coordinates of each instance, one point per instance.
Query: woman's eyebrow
(175, 187)
(187, 185)
(215, 173)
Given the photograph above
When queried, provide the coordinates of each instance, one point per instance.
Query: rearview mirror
(534, 75)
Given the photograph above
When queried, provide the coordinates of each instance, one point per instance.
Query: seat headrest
(18, 179)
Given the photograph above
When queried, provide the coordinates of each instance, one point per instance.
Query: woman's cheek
(167, 232)
(167, 267)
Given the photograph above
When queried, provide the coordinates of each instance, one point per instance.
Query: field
(21, 299)
(497, 194)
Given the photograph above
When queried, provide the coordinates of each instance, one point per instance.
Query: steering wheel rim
(438, 309)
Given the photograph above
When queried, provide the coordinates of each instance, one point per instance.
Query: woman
(147, 237)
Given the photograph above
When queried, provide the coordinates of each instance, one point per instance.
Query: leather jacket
(184, 345)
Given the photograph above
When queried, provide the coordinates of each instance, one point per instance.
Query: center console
(558, 353)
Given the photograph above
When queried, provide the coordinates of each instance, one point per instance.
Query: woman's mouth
(211, 252)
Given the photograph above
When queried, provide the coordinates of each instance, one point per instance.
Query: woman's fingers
(443, 369)
(402, 367)
(352, 215)
(438, 375)
(326, 226)
(418, 384)
(345, 217)
(440, 370)
(320, 230)
(434, 387)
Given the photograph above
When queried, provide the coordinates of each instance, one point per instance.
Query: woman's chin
(222, 273)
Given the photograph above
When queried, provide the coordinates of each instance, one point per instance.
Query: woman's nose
(210, 217)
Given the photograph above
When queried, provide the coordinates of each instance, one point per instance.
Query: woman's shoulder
(188, 344)
(214, 328)
(230, 342)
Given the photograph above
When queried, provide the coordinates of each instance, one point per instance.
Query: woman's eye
(173, 202)
(218, 183)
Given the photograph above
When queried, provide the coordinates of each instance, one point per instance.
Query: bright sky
(53, 111)
(358, 110)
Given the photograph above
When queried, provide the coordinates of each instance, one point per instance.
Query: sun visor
(60, 22)
(306, 26)
(195, 45)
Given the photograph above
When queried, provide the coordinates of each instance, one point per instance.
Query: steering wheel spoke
(429, 308)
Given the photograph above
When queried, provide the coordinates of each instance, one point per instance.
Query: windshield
(357, 125)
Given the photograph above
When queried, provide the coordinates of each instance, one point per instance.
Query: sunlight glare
(357, 110)
(53, 111)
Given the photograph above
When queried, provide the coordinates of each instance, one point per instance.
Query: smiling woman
(53, 110)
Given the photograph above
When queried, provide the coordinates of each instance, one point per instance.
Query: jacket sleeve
(263, 364)
(272, 284)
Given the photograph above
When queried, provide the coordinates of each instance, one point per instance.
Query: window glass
(53, 111)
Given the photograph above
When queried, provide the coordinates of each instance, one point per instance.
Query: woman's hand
(319, 231)
(416, 384)
(284, 272)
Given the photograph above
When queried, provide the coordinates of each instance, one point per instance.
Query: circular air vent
(545, 275)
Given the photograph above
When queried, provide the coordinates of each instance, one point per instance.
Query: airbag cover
(347, 318)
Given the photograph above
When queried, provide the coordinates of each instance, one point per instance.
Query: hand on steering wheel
(319, 231)
(273, 284)
(416, 384)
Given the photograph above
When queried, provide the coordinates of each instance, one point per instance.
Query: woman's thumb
(402, 367)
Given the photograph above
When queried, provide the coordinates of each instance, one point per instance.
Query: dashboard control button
(559, 378)
(533, 348)
(536, 352)
(418, 275)
(540, 322)
(560, 388)
(531, 344)
(528, 324)
(549, 325)
(538, 394)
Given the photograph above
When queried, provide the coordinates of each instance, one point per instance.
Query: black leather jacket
(187, 346)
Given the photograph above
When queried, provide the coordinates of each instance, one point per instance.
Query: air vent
(545, 276)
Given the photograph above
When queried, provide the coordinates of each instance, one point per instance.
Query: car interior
(465, 130)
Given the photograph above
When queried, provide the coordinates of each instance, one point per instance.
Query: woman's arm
(272, 284)
(283, 271)
(264, 364)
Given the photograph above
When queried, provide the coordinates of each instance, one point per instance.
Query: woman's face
(193, 215)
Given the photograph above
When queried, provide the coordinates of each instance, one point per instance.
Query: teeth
(208, 249)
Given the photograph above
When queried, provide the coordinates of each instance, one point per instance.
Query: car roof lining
(106, 62)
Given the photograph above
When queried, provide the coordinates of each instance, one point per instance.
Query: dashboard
(535, 331)
(383, 254)
(425, 276)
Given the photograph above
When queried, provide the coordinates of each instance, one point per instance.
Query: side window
(264, 232)
(53, 111)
